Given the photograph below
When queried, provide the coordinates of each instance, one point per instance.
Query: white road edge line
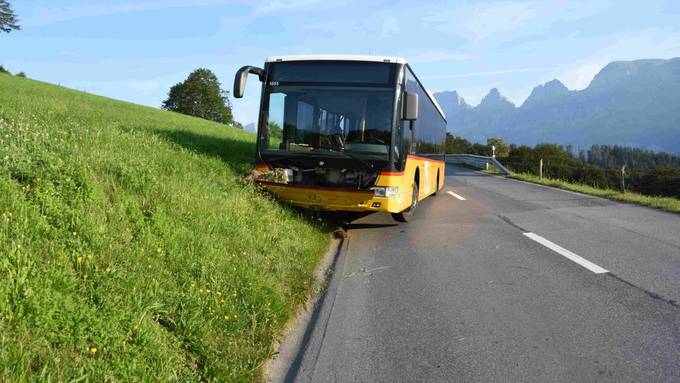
(455, 195)
(567, 254)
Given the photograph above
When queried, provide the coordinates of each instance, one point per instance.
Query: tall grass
(129, 248)
(663, 203)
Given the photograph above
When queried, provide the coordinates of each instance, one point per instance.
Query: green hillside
(129, 248)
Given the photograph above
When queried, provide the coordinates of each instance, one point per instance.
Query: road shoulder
(290, 344)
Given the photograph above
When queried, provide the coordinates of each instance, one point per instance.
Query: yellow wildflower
(93, 349)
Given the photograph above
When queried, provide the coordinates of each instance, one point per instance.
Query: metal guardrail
(478, 162)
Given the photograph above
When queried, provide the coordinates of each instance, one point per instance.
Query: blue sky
(136, 50)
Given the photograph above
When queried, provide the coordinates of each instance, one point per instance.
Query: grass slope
(129, 248)
(664, 203)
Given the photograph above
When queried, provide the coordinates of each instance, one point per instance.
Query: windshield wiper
(367, 165)
(286, 157)
(342, 151)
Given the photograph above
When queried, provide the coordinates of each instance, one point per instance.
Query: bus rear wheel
(407, 215)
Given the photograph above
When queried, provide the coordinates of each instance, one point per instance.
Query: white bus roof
(367, 58)
(390, 59)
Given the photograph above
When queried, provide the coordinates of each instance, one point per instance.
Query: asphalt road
(463, 294)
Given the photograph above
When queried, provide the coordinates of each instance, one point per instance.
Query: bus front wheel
(407, 215)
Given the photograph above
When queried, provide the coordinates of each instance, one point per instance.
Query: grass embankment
(663, 203)
(130, 249)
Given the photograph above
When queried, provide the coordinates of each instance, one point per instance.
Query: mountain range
(633, 103)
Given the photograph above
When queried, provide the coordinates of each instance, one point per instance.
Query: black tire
(407, 215)
(436, 186)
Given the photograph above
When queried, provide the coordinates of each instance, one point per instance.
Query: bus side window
(398, 146)
(275, 122)
(305, 123)
(289, 121)
(406, 137)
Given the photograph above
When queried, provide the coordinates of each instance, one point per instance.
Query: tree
(275, 130)
(21, 74)
(8, 20)
(3, 70)
(664, 181)
(582, 156)
(200, 95)
(480, 149)
(457, 145)
(502, 149)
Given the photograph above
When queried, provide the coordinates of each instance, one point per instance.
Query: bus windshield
(348, 110)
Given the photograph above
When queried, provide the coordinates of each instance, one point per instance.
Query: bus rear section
(347, 133)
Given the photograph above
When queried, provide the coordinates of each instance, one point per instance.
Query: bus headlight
(385, 191)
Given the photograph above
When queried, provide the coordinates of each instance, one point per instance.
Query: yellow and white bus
(348, 133)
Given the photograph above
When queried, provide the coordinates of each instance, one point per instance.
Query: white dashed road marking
(567, 254)
(455, 195)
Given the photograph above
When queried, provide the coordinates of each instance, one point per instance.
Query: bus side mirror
(242, 76)
(410, 107)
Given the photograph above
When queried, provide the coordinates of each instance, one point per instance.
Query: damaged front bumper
(336, 199)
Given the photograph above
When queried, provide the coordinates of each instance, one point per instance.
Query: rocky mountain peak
(451, 99)
(494, 99)
(550, 92)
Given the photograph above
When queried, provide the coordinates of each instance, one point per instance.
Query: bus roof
(365, 58)
(388, 59)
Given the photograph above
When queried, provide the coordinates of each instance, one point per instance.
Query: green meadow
(130, 249)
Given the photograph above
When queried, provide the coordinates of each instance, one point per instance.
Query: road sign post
(623, 179)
